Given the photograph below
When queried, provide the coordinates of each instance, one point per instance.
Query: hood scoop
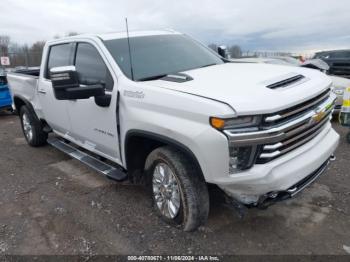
(285, 81)
(177, 77)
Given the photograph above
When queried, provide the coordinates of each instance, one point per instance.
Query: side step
(96, 164)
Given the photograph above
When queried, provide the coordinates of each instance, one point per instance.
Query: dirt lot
(50, 204)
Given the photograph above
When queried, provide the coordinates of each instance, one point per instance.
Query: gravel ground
(51, 204)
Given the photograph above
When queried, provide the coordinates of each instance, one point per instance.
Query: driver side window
(91, 68)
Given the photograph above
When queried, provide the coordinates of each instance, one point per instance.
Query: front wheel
(32, 128)
(180, 194)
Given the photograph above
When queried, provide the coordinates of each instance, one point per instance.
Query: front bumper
(281, 174)
(273, 197)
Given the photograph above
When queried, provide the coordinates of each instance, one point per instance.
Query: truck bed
(23, 84)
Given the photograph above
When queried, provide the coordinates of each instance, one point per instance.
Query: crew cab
(160, 108)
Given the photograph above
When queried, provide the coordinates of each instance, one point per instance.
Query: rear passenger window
(91, 67)
(59, 55)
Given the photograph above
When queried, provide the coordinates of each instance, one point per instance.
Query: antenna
(127, 33)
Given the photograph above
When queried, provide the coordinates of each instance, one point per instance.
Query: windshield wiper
(148, 78)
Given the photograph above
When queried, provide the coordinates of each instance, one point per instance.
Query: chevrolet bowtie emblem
(317, 117)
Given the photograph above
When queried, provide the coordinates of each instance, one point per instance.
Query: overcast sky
(287, 25)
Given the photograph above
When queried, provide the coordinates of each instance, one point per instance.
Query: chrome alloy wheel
(27, 127)
(166, 191)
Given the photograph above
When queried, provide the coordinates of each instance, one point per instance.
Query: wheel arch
(139, 144)
(20, 101)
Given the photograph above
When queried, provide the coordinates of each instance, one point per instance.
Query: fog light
(241, 158)
(233, 159)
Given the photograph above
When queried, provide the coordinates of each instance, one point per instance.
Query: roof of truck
(116, 35)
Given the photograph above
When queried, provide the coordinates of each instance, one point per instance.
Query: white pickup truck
(167, 111)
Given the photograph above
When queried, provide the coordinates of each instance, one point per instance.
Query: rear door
(93, 126)
(55, 111)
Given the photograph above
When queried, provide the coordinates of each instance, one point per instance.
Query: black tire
(194, 206)
(38, 137)
(348, 137)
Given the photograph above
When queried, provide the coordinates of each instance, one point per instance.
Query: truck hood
(243, 86)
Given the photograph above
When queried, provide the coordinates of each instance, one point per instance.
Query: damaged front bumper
(273, 197)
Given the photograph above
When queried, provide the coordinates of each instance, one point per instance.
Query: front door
(94, 127)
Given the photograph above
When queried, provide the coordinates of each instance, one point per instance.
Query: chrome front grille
(309, 127)
(284, 115)
(292, 139)
(286, 130)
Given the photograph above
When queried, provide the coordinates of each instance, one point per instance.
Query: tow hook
(332, 158)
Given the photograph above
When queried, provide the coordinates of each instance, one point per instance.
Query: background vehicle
(168, 112)
(344, 116)
(5, 97)
(339, 83)
(338, 61)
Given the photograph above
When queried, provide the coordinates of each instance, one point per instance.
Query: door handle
(42, 92)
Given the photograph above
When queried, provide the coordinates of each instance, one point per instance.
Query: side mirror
(222, 50)
(66, 86)
(64, 77)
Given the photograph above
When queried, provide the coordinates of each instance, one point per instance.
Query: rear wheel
(179, 192)
(32, 128)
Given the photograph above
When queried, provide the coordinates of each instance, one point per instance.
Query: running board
(96, 164)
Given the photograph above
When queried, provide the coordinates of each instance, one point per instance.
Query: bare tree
(235, 51)
(214, 47)
(35, 53)
(16, 54)
(72, 33)
(25, 55)
(4, 44)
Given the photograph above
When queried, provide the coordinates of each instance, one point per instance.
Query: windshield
(159, 55)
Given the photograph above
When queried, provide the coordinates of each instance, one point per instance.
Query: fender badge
(134, 94)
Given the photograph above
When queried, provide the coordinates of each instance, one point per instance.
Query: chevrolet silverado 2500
(167, 111)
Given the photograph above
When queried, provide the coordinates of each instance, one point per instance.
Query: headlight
(231, 123)
(240, 158)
